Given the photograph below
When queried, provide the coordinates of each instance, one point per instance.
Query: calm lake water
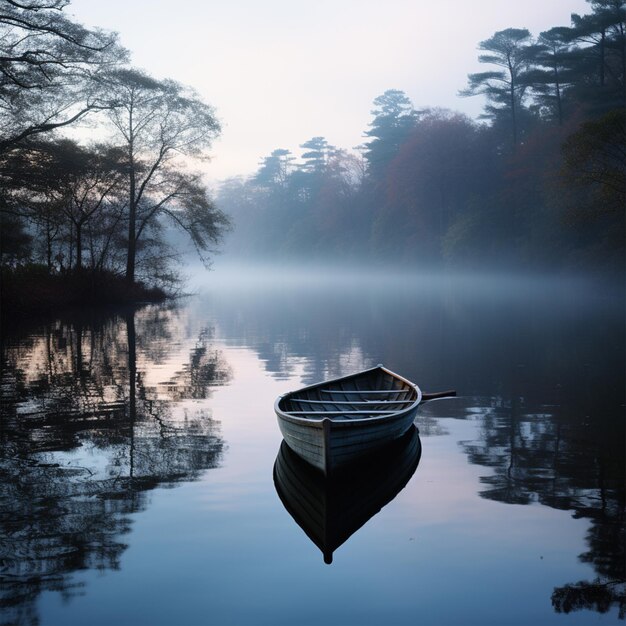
(139, 451)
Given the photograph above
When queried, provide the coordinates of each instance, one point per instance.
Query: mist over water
(229, 273)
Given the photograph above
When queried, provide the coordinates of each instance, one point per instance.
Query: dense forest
(96, 162)
(99, 163)
(538, 182)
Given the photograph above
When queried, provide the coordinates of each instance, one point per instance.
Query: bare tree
(86, 180)
(162, 126)
(47, 68)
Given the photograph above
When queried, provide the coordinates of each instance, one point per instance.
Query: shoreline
(30, 292)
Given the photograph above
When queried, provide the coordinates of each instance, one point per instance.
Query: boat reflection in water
(331, 509)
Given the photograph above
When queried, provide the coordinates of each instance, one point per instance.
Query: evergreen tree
(601, 55)
(394, 118)
(274, 169)
(512, 51)
(317, 155)
(552, 73)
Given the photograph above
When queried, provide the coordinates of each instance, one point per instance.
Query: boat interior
(369, 394)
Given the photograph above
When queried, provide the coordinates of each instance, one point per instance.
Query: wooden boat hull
(331, 509)
(334, 423)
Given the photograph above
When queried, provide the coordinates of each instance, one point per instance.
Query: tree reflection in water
(84, 436)
(567, 456)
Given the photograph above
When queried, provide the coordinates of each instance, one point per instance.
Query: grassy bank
(31, 291)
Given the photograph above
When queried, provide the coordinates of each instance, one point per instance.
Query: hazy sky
(279, 72)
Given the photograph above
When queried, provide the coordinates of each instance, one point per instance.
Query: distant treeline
(96, 209)
(539, 181)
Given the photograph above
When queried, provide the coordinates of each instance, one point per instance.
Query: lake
(142, 472)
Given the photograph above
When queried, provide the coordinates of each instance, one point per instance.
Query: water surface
(138, 451)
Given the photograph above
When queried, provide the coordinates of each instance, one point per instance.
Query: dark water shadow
(331, 509)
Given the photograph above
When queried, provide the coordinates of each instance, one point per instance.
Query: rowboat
(330, 509)
(333, 423)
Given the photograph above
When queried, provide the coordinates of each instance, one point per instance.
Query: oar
(438, 394)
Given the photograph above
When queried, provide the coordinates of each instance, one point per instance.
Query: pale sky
(279, 72)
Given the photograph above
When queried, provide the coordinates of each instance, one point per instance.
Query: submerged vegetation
(77, 213)
(538, 182)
